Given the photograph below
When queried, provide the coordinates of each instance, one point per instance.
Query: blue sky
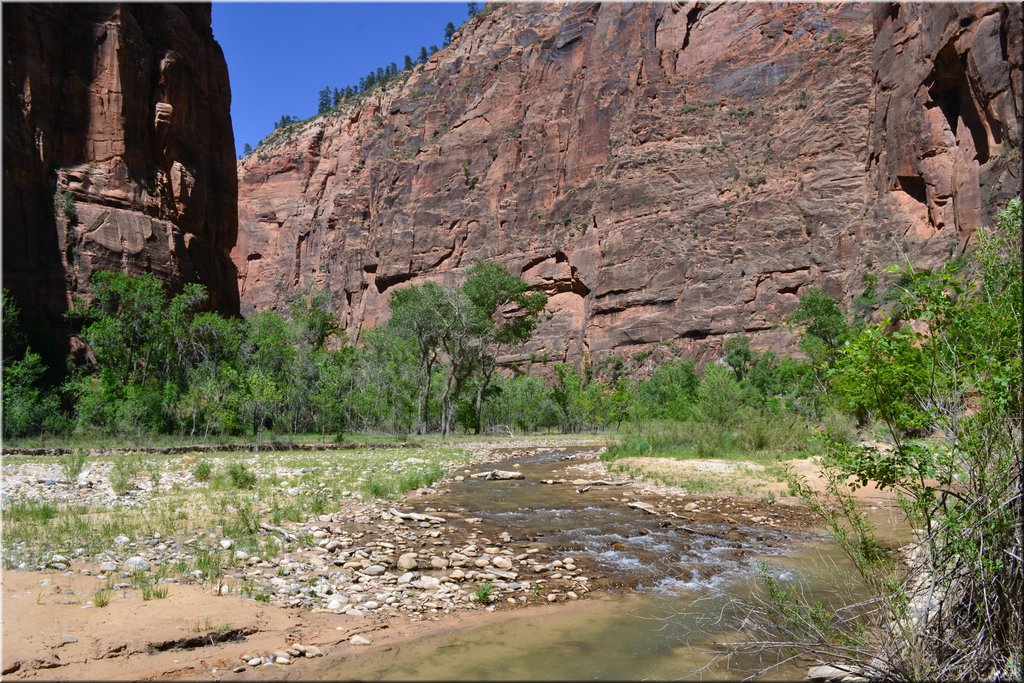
(280, 55)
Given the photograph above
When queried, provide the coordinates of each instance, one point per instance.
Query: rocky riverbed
(373, 562)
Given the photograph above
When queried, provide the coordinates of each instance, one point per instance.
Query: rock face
(945, 131)
(118, 151)
(665, 172)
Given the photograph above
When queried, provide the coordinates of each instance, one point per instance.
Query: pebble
(345, 570)
(358, 640)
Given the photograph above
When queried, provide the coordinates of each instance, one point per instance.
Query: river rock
(374, 570)
(407, 561)
(502, 562)
(427, 583)
(135, 563)
(358, 640)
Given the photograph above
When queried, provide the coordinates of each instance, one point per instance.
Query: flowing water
(680, 593)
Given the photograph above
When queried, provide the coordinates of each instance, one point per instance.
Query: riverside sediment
(463, 544)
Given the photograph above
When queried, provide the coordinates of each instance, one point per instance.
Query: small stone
(552, 597)
(438, 563)
(334, 604)
(68, 639)
(502, 562)
(406, 578)
(135, 563)
(427, 583)
(374, 570)
(407, 561)
(121, 540)
(226, 543)
(690, 507)
(238, 669)
(358, 640)
(108, 567)
(255, 661)
(313, 651)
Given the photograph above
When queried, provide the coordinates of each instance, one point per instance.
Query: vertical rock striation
(118, 151)
(946, 126)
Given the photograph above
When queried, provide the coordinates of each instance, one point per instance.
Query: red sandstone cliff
(118, 151)
(946, 123)
(665, 172)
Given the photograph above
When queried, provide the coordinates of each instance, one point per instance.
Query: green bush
(122, 475)
(202, 471)
(72, 465)
(240, 477)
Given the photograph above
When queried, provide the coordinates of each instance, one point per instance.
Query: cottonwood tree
(508, 314)
(417, 313)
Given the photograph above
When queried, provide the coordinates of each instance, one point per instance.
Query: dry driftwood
(278, 530)
(416, 516)
(498, 474)
(637, 505)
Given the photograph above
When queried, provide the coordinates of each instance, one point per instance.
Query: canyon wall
(667, 173)
(118, 153)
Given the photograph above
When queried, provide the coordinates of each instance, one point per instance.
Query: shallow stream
(673, 591)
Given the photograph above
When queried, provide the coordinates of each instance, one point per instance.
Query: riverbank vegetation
(941, 378)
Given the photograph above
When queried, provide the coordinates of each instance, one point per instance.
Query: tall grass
(754, 435)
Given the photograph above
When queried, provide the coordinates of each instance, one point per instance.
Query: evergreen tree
(409, 63)
(324, 100)
(449, 31)
(423, 55)
(247, 149)
(472, 8)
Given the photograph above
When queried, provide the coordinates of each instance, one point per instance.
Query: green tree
(449, 31)
(472, 8)
(324, 100)
(739, 356)
(506, 315)
(246, 150)
(417, 312)
(669, 392)
(824, 326)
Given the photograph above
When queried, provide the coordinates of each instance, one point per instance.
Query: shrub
(240, 476)
(122, 475)
(72, 465)
(202, 471)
